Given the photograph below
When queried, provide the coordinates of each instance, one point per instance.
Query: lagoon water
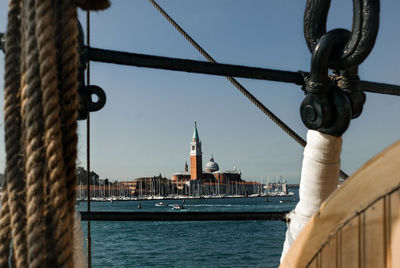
(189, 244)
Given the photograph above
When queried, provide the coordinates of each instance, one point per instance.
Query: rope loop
(363, 34)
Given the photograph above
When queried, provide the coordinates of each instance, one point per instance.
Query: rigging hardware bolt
(309, 113)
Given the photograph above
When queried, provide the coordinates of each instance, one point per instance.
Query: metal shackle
(348, 82)
(363, 35)
(326, 108)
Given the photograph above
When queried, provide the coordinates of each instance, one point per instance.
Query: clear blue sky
(147, 123)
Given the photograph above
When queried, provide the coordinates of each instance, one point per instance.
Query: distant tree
(94, 177)
(82, 174)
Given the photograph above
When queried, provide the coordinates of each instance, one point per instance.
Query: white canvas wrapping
(319, 178)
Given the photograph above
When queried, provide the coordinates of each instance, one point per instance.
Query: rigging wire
(88, 238)
(236, 84)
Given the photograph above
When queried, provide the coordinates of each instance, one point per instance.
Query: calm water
(189, 244)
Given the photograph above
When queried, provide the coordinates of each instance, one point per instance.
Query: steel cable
(236, 84)
(88, 192)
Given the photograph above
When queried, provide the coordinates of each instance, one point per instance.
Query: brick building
(210, 176)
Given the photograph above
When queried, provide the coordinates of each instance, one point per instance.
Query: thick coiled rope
(5, 237)
(14, 224)
(40, 108)
(32, 115)
(69, 99)
(52, 136)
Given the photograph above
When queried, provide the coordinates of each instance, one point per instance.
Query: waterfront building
(211, 180)
(195, 156)
(194, 180)
(154, 186)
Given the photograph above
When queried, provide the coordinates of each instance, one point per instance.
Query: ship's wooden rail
(359, 225)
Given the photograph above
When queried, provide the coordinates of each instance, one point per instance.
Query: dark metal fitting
(99, 93)
(341, 114)
(363, 33)
(324, 52)
(81, 48)
(357, 100)
(349, 82)
(86, 102)
(87, 94)
(315, 86)
(324, 108)
(2, 42)
(315, 111)
(346, 83)
(83, 109)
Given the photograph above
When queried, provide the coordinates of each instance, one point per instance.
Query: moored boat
(178, 207)
(161, 204)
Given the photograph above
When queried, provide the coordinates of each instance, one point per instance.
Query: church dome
(212, 166)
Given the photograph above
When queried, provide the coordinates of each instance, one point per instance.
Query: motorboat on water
(161, 204)
(178, 207)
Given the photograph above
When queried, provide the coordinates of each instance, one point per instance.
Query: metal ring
(363, 34)
(325, 109)
(323, 53)
(101, 95)
(341, 113)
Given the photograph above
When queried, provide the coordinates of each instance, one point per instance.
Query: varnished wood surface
(359, 224)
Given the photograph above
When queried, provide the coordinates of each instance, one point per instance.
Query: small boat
(178, 207)
(285, 201)
(139, 206)
(161, 204)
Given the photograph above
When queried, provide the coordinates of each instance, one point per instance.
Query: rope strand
(53, 135)
(33, 127)
(12, 127)
(69, 100)
(5, 238)
(40, 109)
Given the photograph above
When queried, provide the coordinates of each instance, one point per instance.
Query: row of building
(210, 181)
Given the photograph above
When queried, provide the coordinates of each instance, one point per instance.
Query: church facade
(210, 176)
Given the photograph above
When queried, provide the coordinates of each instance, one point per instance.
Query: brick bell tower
(195, 156)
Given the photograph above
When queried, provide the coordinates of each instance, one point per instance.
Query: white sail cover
(319, 178)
